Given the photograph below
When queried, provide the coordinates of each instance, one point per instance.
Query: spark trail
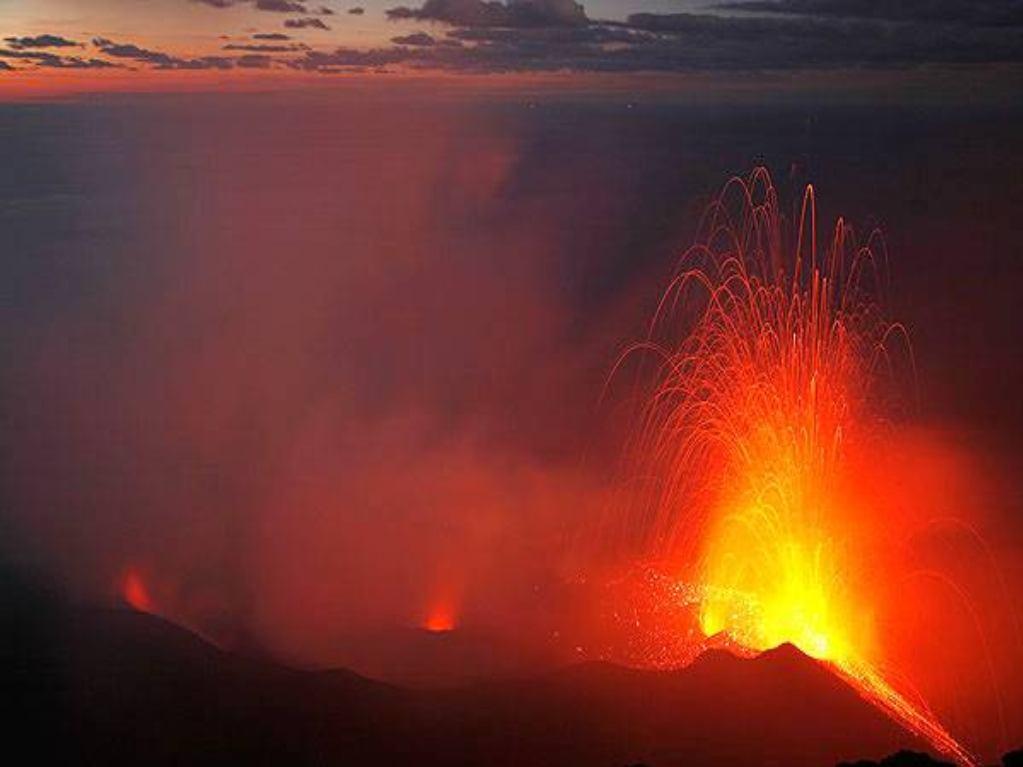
(771, 362)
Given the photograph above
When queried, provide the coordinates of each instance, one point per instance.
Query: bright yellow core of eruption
(775, 564)
(748, 433)
(765, 587)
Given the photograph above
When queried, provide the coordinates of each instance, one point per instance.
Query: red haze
(135, 593)
(439, 619)
(329, 364)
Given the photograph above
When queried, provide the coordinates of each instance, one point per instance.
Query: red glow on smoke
(441, 618)
(135, 593)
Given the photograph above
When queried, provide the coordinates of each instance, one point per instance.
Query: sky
(98, 44)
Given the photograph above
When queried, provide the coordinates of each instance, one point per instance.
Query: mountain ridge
(139, 686)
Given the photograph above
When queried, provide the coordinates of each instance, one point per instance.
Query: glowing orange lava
(440, 619)
(746, 439)
(135, 593)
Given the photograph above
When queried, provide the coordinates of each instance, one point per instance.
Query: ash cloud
(290, 450)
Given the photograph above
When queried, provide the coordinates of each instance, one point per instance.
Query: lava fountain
(774, 361)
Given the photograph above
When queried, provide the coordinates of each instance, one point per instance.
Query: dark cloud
(557, 35)
(492, 13)
(694, 42)
(273, 6)
(254, 61)
(325, 11)
(594, 35)
(158, 59)
(805, 42)
(344, 59)
(417, 38)
(5, 67)
(135, 53)
(206, 62)
(974, 12)
(305, 23)
(263, 48)
(74, 62)
(256, 56)
(41, 41)
(357, 11)
(281, 6)
(48, 60)
(490, 50)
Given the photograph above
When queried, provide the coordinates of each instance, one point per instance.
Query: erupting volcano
(773, 388)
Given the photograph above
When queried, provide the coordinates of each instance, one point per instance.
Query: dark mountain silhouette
(112, 687)
(419, 658)
(901, 759)
(917, 759)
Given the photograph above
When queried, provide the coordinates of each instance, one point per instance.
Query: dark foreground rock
(115, 687)
(903, 758)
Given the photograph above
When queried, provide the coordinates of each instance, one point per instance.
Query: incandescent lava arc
(771, 385)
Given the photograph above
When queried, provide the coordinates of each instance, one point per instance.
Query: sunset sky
(109, 41)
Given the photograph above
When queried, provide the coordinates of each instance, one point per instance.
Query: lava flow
(751, 435)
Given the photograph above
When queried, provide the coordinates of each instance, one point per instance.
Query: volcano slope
(113, 687)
